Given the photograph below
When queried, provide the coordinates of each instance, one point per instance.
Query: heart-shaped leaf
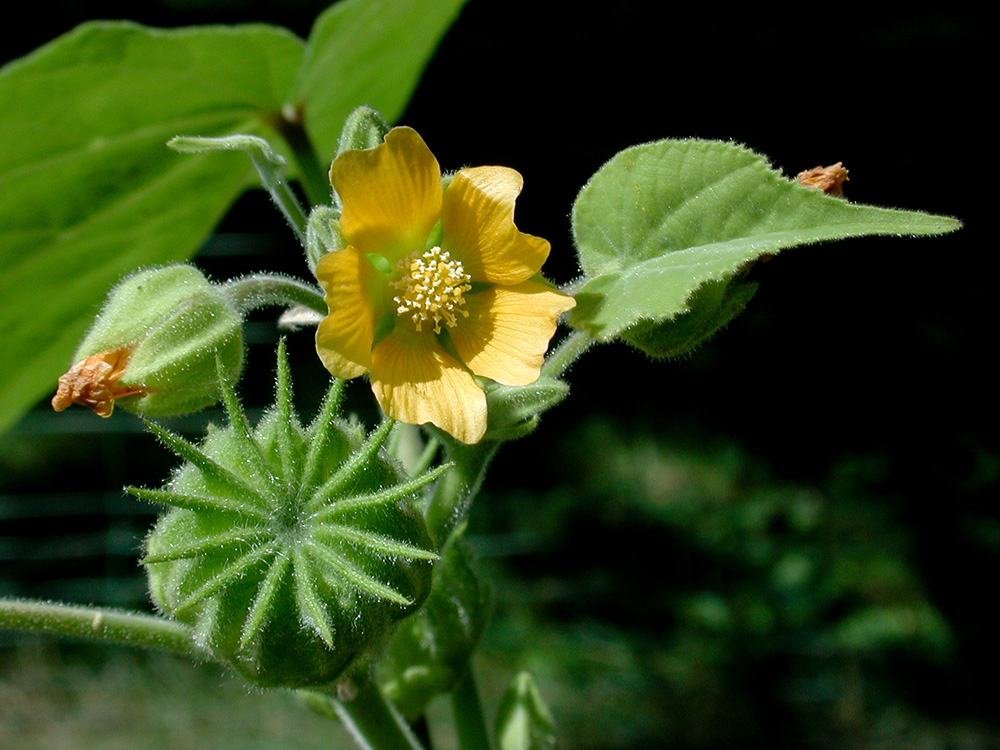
(660, 220)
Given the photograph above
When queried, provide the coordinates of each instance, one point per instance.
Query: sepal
(514, 411)
(364, 128)
(323, 234)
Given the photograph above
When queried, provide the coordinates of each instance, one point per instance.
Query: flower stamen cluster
(432, 289)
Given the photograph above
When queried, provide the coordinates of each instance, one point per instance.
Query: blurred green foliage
(60, 698)
(693, 596)
(715, 605)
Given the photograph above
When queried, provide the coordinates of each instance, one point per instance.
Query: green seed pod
(290, 550)
(154, 345)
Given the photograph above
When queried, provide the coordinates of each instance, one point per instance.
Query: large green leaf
(90, 189)
(661, 220)
(366, 52)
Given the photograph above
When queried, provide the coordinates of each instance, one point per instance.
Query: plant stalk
(569, 350)
(312, 174)
(470, 723)
(449, 505)
(100, 624)
(270, 168)
(372, 721)
(261, 289)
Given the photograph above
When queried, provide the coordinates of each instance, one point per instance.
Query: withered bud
(828, 179)
(93, 382)
(156, 346)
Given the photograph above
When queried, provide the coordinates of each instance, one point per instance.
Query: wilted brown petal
(93, 382)
(828, 179)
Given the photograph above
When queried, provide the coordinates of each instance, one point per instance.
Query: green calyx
(174, 324)
(290, 549)
(430, 650)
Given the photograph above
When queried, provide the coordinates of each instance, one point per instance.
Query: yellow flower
(434, 287)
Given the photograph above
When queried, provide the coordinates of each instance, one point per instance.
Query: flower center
(431, 289)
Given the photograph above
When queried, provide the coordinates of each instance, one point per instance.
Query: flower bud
(290, 550)
(523, 719)
(364, 128)
(154, 345)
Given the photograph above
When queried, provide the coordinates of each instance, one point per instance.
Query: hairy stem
(372, 721)
(259, 290)
(270, 168)
(449, 506)
(312, 174)
(566, 353)
(99, 624)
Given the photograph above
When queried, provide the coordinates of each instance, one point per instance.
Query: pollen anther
(431, 289)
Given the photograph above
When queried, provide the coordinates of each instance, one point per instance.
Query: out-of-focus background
(788, 539)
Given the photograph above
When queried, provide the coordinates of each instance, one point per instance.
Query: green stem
(287, 202)
(373, 722)
(270, 168)
(469, 721)
(449, 506)
(314, 177)
(569, 351)
(99, 624)
(258, 290)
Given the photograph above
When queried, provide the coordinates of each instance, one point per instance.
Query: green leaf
(90, 190)
(366, 52)
(660, 220)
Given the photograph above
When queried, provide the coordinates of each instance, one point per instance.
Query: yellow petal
(477, 221)
(508, 330)
(391, 194)
(353, 291)
(416, 381)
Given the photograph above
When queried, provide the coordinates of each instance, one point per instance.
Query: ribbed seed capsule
(289, 549)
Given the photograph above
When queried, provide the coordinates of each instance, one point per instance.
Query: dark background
(874, 350)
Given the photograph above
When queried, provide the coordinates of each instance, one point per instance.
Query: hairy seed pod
(290, 550)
